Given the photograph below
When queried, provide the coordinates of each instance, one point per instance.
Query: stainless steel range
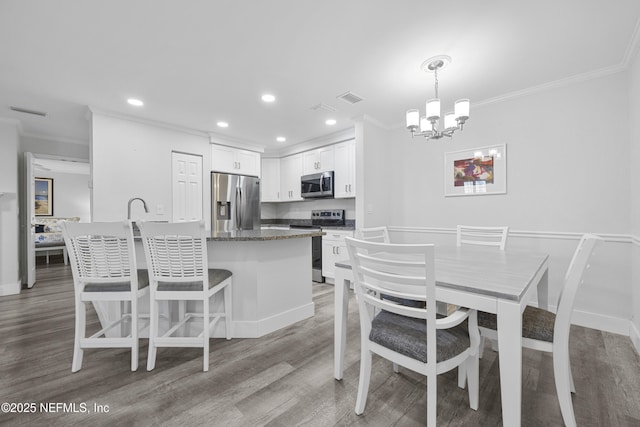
(327, 217)
(319, 219)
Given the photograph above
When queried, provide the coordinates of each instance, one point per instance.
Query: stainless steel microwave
(317, 185)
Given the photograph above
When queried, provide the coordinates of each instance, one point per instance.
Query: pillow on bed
(52, 225)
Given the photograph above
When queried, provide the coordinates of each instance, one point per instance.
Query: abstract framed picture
(476, 172)
(43, 196)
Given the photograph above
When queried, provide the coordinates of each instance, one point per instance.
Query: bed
(49, 239)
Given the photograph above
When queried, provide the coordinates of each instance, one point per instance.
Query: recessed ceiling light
(135, 102)
(331, 122)
(268, 97)
(223, 124)
(281, 139)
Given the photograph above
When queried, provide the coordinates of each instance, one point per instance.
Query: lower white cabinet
(333, 249)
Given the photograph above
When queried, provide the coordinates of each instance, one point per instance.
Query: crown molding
(229, 141)
(601, 72)
(321, 141)
(148, 122)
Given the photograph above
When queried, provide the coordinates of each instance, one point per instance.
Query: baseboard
(10, 288)
(634, 334)
(601, 322)
(259, 328)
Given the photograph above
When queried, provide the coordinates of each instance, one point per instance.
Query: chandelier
(427, 125)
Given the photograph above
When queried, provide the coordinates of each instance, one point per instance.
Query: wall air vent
(350, 97)
(324, 107)
(27, 111)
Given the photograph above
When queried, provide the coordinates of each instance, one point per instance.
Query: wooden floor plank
(282, 379)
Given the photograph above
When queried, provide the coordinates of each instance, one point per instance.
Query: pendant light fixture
(428, 125)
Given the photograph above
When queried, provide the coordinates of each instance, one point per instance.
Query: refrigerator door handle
(238, 208)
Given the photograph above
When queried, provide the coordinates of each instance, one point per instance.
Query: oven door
(316, 253)
(317, 185)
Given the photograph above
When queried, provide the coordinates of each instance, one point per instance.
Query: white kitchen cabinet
(334, 249)
(270, 180)
(318, 160)
(345, 169)
(290, 172)
(234, 160)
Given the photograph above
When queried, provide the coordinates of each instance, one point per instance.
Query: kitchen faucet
(144, 204)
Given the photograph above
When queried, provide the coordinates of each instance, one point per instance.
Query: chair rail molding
(562, 235)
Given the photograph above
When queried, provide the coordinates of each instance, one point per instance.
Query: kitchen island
(271, 278)
(271, 281)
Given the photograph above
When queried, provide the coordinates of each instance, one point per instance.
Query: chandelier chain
(436, 79)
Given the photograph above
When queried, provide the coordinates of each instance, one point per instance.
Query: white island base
(271, 284)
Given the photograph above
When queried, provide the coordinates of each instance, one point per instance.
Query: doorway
(67, 198)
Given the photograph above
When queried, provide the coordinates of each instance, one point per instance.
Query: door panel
(187, 187)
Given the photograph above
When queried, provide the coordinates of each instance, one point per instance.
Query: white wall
(373, 176)
(568, 173)
(71, 195)
(634, 157)
(9, 223)
(132, 159)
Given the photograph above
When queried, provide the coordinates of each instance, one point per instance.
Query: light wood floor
(283, 379)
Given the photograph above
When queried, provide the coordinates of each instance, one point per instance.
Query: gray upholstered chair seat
(216, 276)
(408, 336)
(143, 282)
(404, 301)
(537, 324)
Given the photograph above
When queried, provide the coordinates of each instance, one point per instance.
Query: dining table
(481, 278)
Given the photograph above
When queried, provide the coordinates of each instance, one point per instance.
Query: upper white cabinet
(270, 180)
(345, 169)
(290, 172)
(234, 160)
(318, 160)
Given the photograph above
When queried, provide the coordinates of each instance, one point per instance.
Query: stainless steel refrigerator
(235, 202)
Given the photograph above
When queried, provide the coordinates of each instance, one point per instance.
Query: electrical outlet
(159, 209)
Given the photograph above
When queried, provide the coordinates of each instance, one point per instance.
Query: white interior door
(30, 232)
(186, 187)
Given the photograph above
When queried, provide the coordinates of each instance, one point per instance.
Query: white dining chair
(484, 236)
(478, 236)
(545, 331)
(176, 255)
(411, 337)
(103, 266)
(373, 234)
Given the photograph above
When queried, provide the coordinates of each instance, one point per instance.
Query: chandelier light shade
(428, 125)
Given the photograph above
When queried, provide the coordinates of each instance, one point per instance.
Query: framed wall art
(476, 172)
(43, 196)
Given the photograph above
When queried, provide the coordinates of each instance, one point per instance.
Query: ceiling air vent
(324, 107)
(26, 111)
(350, 97)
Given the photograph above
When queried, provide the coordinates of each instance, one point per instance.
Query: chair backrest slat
(176, 252)
(100, 252)
(373, 234)
(485, 236)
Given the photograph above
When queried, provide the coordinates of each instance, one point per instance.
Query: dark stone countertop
(261, 235)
